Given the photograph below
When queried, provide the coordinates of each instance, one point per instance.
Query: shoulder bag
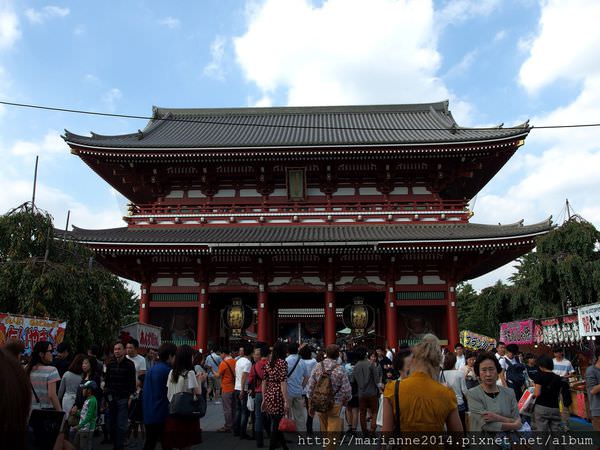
(187, 404)
(46, 424)
(294, 368)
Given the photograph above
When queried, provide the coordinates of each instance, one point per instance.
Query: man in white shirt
(138, 360)
(501, 357)
(242, 369)
(564, 369)
(460, 356)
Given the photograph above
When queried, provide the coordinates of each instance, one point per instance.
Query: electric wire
(323, 127)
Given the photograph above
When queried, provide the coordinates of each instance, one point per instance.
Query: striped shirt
(40, 377)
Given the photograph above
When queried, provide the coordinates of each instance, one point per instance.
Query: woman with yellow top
(425, 404)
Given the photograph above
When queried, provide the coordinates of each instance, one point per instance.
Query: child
(87, 417)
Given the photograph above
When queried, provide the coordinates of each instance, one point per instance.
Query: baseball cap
(90, 384)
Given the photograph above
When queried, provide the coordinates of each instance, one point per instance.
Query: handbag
(187, 404)
(287, 425)
(250, 403)
(46, 425)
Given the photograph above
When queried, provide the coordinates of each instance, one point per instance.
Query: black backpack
(515, 375)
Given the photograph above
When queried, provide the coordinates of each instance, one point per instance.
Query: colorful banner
(149, 336)
(474, 341)
(563, 330)
(519, 332)
(31, 330)
(589, 320)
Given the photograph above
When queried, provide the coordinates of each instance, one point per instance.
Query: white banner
(589, 320)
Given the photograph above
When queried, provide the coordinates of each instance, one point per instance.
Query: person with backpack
(329, 390)
(547, 390)
(516, 372)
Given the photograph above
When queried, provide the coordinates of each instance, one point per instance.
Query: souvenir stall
(520, 332)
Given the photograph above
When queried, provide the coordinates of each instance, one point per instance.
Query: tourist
(15, 401)
(365, 375)
(374, 362)
(88, 369)
(44, 377)
(214, 382)
(515, 373)
(139, 361)
(547, 390)
(468, 370)
(352, 405)
(386, 366)
(242, 369)
(95, 352)
(389, 353)
(297, 378)
(532, 369)
(564, 369)
(183, 432)
(155, 403)
(306, 353)
(226, 374)
(70, 382)
(460, 357)
(492, 408)
(87, 417)
(341, 390)
(63, 358)
(275, 400)
(401, 363)
(151, 358)
(456, 380)
(425, 404)
(592, 383)
(120, 384)
(255, 379)
(500, 350)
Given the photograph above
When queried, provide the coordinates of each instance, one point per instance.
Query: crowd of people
(264, 391)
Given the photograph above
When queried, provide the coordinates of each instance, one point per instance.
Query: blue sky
(496, 61)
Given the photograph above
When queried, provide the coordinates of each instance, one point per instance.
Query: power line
(324, 127)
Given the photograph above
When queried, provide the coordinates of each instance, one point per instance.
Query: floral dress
(273, 397)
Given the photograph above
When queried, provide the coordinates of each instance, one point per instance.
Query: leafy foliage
(48, 277)
(563, 271)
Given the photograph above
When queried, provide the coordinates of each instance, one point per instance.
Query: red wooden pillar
(263, 314)
(452, 318)
(202, 332)
(144, 316)
(391, 317)
(329, 315)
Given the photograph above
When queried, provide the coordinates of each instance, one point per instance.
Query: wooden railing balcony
(176, 210)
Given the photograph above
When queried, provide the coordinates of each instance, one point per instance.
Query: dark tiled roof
(224, 236)
(298, 127)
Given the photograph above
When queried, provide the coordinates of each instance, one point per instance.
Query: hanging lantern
(358, 316)
(237, 317)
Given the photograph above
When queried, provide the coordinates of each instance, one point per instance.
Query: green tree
(563, 271)
(43, 275)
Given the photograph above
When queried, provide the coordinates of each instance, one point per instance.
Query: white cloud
(555, 164)
(500, 35)
(566, 46)
(458, 11)
(111, 98)
(9, 25)
(50, 144)
(89, 78)
(170, 22)
(214, 69)
(39, 16)
(79, 30)
(463, 65)
(382, 51)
